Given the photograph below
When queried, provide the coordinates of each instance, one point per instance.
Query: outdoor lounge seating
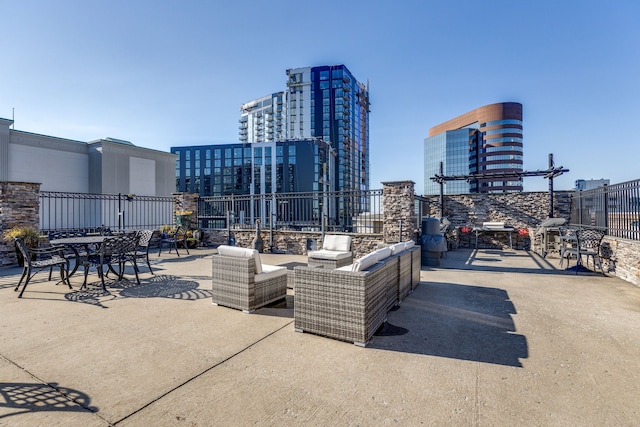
(35, 260)
(406, 252)
(351, 302)
(335, 252)
(241, 281)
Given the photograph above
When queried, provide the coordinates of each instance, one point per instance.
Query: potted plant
(183, 218)
(164, 230)
(192, 239)
(29, 235)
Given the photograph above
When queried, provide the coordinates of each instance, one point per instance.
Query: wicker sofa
(241, 281)
(335, 252)
(408, 255)
(351, 302)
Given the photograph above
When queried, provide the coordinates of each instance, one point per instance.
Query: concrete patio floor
(489, 338)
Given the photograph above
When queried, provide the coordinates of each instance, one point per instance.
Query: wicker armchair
(344, 304)
(241, 281)
(335, 252)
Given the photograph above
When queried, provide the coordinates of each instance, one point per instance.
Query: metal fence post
(580, 206)
(605, 192)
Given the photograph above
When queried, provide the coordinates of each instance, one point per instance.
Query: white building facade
(108, 165)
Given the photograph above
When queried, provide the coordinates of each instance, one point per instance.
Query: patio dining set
(106, 251)
(554, 235)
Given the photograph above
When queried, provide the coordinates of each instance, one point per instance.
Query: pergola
(551, 172)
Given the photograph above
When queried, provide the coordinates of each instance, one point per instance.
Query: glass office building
(258, 168)
(486, 141)
(452, 149)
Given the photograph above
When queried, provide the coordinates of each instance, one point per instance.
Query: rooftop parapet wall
(518, 210)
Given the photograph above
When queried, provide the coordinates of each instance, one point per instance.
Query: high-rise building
(264, 119)
(325, 103)
(295, 165)
(487, 140)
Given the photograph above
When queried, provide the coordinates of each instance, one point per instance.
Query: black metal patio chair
(116, 250)
(144, 243)
(172, 240)
(39, 259)
(589, 241)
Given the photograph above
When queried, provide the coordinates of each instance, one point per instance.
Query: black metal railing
(349, 211)
(422, 209)
(612, 208)
(88, 211)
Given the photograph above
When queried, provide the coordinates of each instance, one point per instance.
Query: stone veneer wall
(625, 259)
(522, 211)
(293, 242)
(398, 204)
(19, 207)
(519, 210)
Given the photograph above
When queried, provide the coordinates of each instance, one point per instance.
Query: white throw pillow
(234, 251)
(383, 253)
(365, 262)
(342, 243)
(328, 242)
(397, 248)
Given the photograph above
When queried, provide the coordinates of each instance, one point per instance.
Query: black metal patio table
(73, 243)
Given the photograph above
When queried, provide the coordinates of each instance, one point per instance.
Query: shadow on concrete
(499, 261)
(159, 286)
(281, 308)
(36, 397)
(455, 321)
(291, 265)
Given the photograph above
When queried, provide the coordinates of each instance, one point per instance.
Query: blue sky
(171, 73)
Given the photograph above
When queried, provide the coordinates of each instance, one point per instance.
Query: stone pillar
(19, 207)
(183, 202)
(398, 206)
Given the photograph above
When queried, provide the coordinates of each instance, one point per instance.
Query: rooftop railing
(89, 211)
(348, 211)
(612, 208)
